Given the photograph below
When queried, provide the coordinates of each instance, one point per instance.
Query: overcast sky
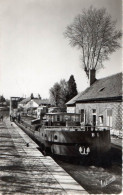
(33, 51)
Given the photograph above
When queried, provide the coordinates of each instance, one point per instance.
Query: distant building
(54, 109)
(34, 106)
(23, 103)
(42, 106)
(35, 103)
(101, 103)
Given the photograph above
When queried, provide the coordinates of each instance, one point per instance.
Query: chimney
(92, 76)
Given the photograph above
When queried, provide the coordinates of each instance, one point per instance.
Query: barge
(61, 134)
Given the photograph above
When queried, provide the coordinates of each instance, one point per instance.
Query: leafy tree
(2, 99)
(72, 88)
(32, 96)
(63, 93)
(8, 102)
(55, 93)
(39, 97)
(94, 32)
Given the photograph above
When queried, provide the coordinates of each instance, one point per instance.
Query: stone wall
(101, 111)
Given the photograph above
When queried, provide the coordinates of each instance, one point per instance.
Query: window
(94, 111)
(101, 119)
(102, 89)
(55, 137)
(109, 112)
(58, 118)
(94, 118)
(61, 118)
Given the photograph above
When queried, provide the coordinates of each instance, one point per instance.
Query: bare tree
(94, 32)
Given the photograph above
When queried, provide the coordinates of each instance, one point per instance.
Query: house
(38, 106)
(54, 109)
(34, 105)
(23, 103)
(41, 111)
(71, 105)
(101, 103)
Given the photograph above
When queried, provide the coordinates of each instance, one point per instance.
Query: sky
(34, 53)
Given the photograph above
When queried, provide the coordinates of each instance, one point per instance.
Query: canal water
(95, 180)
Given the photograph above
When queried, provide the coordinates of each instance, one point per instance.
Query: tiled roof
(106, 88)
(41, 101)
(73, 100)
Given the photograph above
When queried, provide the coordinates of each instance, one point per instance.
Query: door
(94, 121)
(82, 115)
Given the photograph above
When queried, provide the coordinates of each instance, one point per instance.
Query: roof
(102, 89)
(25, 101)
(38, 101)
(73, 100)
(63, 113)
(41, 101)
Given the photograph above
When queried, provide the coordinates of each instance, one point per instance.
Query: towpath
(24, 169)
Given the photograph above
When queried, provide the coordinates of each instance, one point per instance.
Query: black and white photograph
(60, 97)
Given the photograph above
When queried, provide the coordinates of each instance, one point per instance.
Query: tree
(63, 93)
(39, 97)
(32, 96)
(2, 99)
(94, 32)
(8, 102)
(55, 93)
(72, 88)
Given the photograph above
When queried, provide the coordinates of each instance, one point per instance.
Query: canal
(95, 179)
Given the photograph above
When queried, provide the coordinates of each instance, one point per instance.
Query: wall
(31, 104)
(101, 110)
(71, 109)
